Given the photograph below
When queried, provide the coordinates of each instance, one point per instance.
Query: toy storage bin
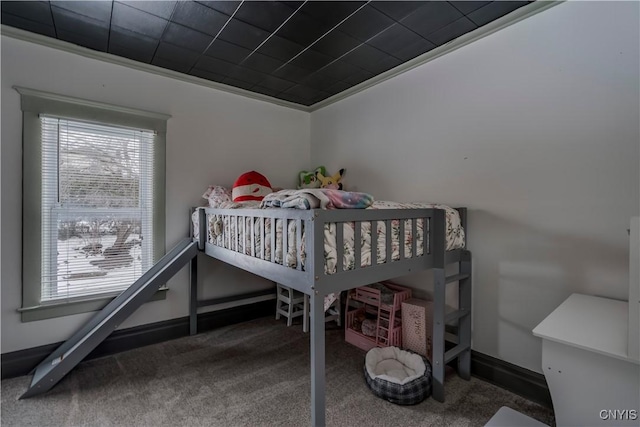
(366, 301)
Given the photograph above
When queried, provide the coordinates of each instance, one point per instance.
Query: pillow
(217, 196)
(250, 186)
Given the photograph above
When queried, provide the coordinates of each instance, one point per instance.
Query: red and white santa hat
(250, 186)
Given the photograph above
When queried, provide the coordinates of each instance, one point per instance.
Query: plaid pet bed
(409, 393)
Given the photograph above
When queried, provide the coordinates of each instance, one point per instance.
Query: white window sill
(66, 308)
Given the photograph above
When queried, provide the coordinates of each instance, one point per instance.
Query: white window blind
(97, 207)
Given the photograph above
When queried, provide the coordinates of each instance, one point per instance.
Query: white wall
(535, 129)
(212, 138)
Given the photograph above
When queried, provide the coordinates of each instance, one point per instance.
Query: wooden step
(455, 352)
(456, 315)
(456, 277)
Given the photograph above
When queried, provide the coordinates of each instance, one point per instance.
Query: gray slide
(76, 348)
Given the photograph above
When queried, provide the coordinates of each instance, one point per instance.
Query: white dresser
(585, 359)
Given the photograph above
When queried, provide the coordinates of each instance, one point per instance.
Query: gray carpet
(250, 374)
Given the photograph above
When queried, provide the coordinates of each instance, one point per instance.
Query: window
(93, 211)
(97, 207)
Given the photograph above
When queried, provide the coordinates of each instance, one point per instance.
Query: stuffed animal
(332, 181)
(250, 186)
(308, 179)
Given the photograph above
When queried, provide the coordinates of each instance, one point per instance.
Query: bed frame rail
(312, 277)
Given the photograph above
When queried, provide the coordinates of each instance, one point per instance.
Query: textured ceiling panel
(298, 51)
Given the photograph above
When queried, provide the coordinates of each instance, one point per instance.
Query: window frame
(33, 104)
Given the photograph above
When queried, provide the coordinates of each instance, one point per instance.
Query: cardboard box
(417, 326)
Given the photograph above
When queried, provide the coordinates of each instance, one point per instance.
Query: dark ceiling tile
(227, 51)
(337, 87)
(335, 44)
(451, 31)
(132, 45)
(262, 63)
(265, 90)
(247, 75)
(414, 49)
(330, 12)
(237, 83)
(292, 73)
(386, 64)
(267, 15)
(207, 75)
(494, 10)
(80, 29)
(292, 98)
(319, 97)
(186, 37)
(275, 83)
(242, 34)
(179, 66)
(280, 48)
(366, 23)
(319, 80)
(27, 25)
(432, 17)
(137, 21)
(293, 4)
(37, 11)
(302, 91)
(70, 21)
(95, 41)
(468, 6)
(370, 59)
(214, 65)
(224, 6)
(131, 52)
(176, 54)
(393, 39)
(340, 69)
(98, 10)
(311, 60)
(302, 29)
(199, 17)
(305, 62)
(397, 9)
(163, 8)
(358, 77)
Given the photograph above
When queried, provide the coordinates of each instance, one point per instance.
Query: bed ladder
(461, 341)
(75, 349)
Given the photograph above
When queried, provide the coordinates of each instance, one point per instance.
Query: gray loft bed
(313, 281)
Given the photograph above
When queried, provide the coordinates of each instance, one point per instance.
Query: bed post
(318, 401)
(438, 246)
(464, 302)
(438, 334)
(463, 219)
(315, 244)
(193, 273)
(202, 228)
(464, 323)
(193, 297)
